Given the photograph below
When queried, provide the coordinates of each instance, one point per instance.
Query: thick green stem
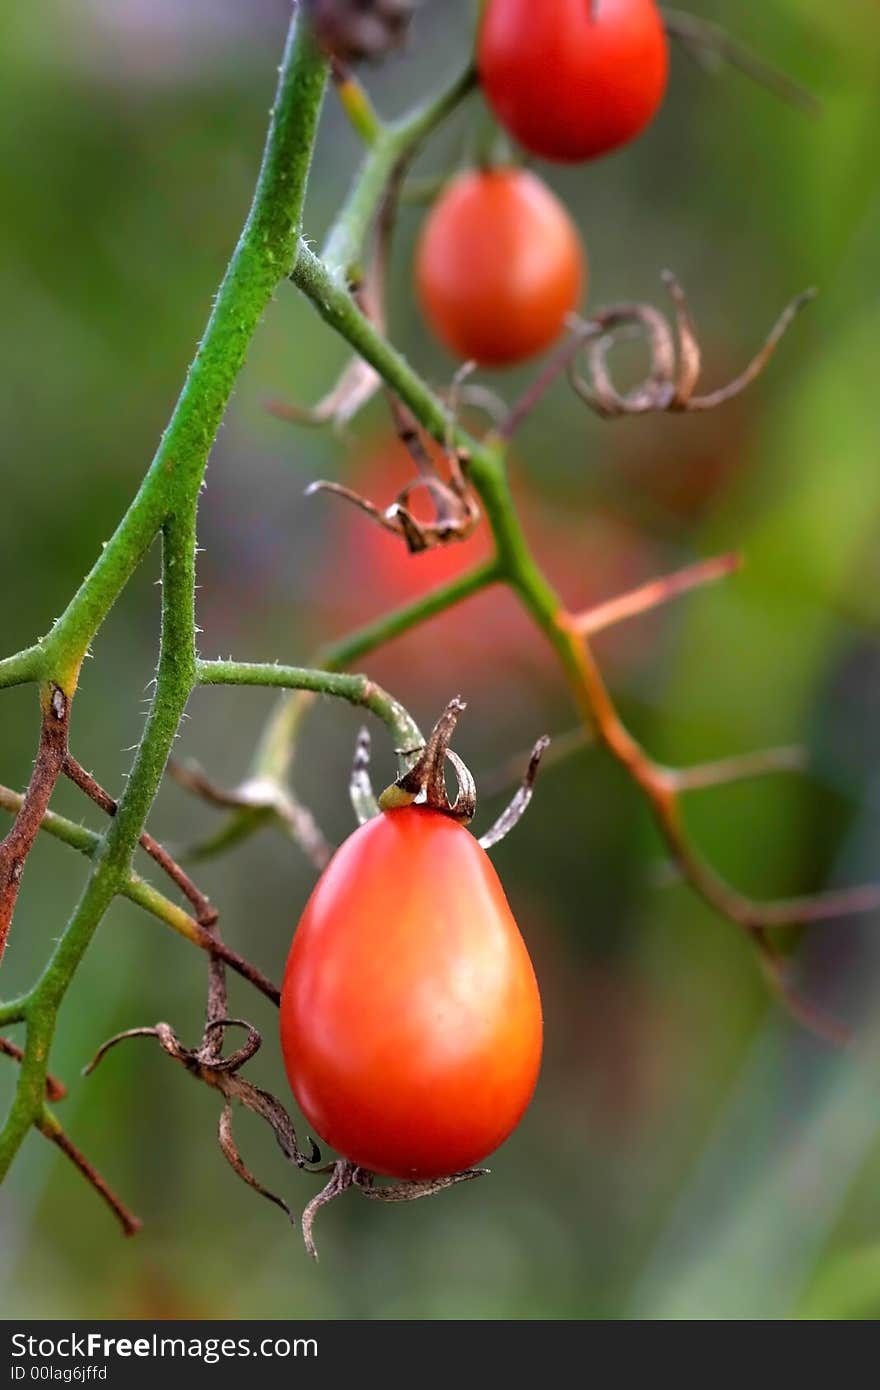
(263, 257)
(338, 309)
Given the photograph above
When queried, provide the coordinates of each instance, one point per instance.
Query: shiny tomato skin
(499, 266)
(410, 1016)
(573, 79)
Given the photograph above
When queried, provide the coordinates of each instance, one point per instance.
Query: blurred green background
(689, 1153)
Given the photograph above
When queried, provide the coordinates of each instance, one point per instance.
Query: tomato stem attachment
(425, 782)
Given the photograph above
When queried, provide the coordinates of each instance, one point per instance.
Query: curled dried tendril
(222, 1073)
(456, 513)
(676, 358)
(456, 510)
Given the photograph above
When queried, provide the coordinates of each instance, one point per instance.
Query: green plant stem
(357, 690)
(13, 1011)
(355, 102)
(342, 654)
(275, 750)
(263, 257)
(390, 145)
(135, 888)
(513, 562)
(23, 667)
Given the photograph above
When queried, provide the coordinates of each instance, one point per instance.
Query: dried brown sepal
(675, 358)
(255, 797)
(249, 1048)
(346, 1175)
(342, 1177)
(456, 511)
(355, 388)
(413, 1191)
(514, 812)
(360, 787)
(425, 781)
(354, 31)
(230, 1152)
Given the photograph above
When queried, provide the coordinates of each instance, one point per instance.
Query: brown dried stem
(205, 913)
(676, 359)
(55, 1089)
(655, 593)
(16, 846)
(49, 1126)
(664, 788)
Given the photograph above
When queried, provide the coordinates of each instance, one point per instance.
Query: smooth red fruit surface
(499, 266)
(410, 1016)
(573, 79)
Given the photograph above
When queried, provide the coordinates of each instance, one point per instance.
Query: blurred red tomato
(366, 571)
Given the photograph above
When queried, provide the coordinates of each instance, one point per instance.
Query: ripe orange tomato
(410, 1016)
(573, 79)
(499, 266)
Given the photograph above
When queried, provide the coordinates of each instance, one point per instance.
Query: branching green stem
(24, 667)
(262, 258)
(390, 146)
(166, 502)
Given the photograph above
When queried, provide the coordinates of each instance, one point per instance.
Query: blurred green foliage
(689, 1154)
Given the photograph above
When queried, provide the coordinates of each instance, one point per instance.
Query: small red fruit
(410, 1016)
(573, 79)
(499, 266)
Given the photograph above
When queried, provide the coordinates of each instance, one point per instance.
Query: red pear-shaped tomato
(410, 1016)
(573, 79)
